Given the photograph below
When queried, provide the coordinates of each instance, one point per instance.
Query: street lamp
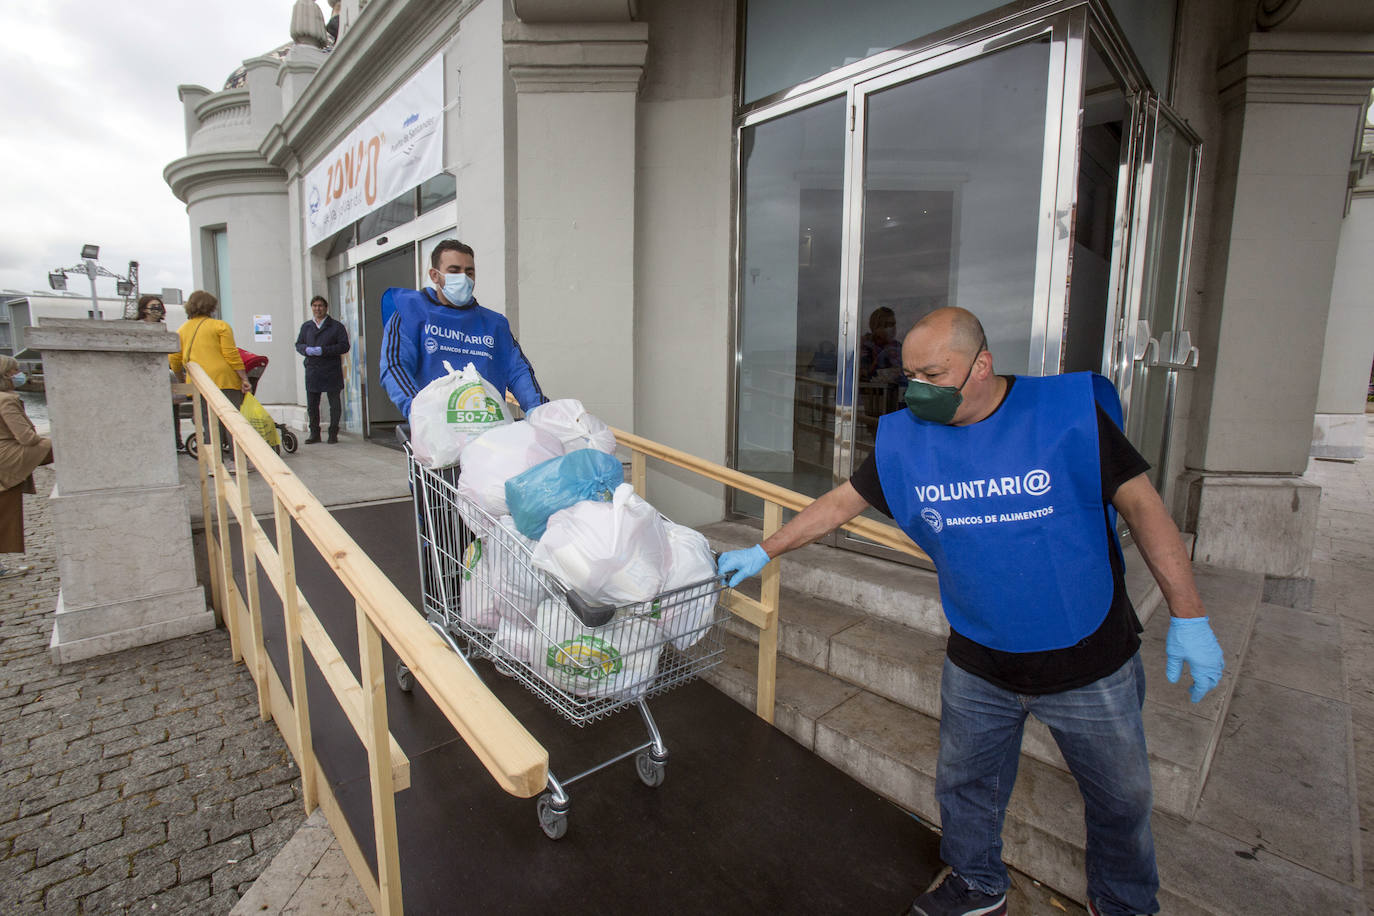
(125, 286)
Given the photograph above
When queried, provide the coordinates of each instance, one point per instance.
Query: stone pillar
(576, 85)
(1292, 107)
(119, 511)
(1338, 430)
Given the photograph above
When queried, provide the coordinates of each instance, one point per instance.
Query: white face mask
(18, 379)
(458, 288)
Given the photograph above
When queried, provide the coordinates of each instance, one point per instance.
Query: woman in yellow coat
(21, 450)
(209, 343)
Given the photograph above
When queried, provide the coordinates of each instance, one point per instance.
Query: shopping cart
(485, 597)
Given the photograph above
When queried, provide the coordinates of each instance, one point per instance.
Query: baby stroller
(254, 365)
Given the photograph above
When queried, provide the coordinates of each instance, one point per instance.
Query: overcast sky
(91, 119)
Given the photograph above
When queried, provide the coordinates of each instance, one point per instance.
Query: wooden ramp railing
(517, 762)
(763, 611)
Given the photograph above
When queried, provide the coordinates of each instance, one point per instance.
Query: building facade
(711, 221)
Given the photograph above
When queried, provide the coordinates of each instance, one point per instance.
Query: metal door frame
(1068, 24)
(1136, 342)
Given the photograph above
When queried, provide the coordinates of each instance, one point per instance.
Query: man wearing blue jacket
(1011, 485)
(430, 326)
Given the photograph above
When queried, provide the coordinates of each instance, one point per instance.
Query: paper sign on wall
(262, 328)
(395, 148)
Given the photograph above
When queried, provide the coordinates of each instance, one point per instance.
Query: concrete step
(903, 665)
(893, 750)
(861, 689)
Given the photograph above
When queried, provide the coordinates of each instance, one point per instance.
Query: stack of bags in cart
(552, 496)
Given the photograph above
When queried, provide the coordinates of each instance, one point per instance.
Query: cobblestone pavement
(137, 782)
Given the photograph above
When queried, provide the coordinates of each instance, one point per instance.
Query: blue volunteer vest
(1010, 510)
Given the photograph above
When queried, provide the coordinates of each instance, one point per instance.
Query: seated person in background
(430, 326)
(880, 353)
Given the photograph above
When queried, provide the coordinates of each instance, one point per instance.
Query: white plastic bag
(575, 428)
(685, 618)
(611, 553)
(479, 606)
(451, 411)
(498, 455)
(615, 660)
(516, 638)
(516, 584)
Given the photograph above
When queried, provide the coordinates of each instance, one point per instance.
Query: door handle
(1142, 340)
(1179, 347)
(1150, 358)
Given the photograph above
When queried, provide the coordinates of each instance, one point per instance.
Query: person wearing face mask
(1011, 485)
(445, 323)
(322, 341)
(21, 450)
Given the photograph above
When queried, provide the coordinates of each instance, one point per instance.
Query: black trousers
(312, 406)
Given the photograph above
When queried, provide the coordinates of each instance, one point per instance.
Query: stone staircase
(861, 644)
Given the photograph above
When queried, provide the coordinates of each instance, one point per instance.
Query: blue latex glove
(744, 564)
(1191, 640)
(314, 351)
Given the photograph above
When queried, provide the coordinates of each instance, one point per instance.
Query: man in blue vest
(1009, 484)
(427, 327)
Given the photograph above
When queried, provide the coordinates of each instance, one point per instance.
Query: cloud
(93, 118)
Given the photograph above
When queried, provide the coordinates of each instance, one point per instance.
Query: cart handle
(593, 615)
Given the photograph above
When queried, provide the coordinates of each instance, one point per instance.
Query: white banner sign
(394, 149)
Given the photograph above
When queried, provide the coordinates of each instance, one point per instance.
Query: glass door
(1155, 347)
(792, 180)
(950, 162)
(395, 268)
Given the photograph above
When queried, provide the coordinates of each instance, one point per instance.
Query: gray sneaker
(955, 898)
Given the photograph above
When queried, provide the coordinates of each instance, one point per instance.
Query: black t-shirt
(1095, 656)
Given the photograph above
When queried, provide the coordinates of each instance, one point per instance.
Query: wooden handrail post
(211, 546)
(377, 738)
(638, 472)
(250, 580)
(768, 636)
(295, 655)
(226, 553)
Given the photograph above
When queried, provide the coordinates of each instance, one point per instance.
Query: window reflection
(790, 299)
(952, 175)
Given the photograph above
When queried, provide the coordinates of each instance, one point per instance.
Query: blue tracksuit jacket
(420, 333)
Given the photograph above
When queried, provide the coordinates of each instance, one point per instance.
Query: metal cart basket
(484, 596)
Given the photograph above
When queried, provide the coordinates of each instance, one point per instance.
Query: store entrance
(395, 268)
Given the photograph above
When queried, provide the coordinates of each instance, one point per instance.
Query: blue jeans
(1099, 731)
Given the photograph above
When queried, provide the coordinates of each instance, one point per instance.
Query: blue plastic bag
(558, 483)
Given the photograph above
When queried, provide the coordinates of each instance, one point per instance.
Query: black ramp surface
(747, 821)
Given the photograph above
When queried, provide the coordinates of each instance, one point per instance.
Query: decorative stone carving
(307, 24)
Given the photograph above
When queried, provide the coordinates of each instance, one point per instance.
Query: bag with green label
(620, 659)
(450, 412)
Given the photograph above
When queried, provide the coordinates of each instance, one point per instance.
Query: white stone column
(124, 536)
(576, 86)
(1338, 430)
(1293, 104)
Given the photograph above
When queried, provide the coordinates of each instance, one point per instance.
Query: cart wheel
(288, 441)
(404, 679)
(651, 772)
(552, 820)
(192, 448)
